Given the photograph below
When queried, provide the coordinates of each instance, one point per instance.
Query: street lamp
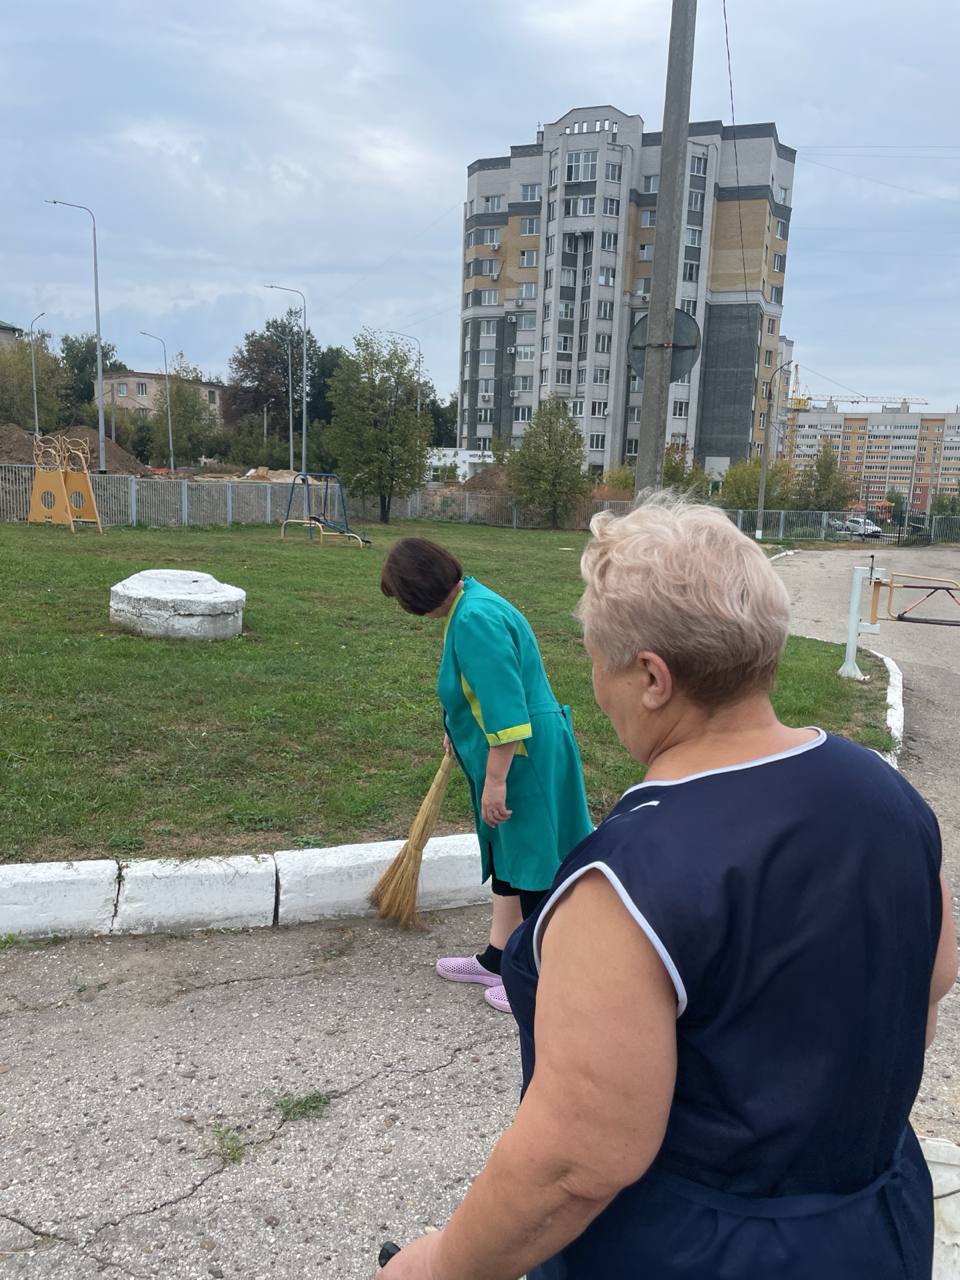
(303, 443)
(33, 374)
(410, 338)
(289, 346)
(766, 451)
(96, 303)
(166, 379)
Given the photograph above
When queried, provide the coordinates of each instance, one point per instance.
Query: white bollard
(856, 628)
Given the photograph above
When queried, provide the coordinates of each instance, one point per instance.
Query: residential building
(466, 462)
(9, 333)
(140, 392)
(915, 454)
(559, 240)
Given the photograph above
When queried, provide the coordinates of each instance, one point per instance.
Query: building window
(525, 353)
(633, 414)
(691, 272)
(634, 384)
(488, 328)
(694, 237)
(551, 210)
(681, 408)
(548, 278)
(648, 217)
(141, 388)
(121, 388)
(606, 275)
(528, 289)
(529, 226)
(588, 242)
(489, 235)
(483, 443)
(601, 377)
(782, 195)
(142, 413)
(545, 344)
(645, 253)
(564, 377)
(568, 277)
(554, 168)
(489, 297)
(527, 321)
(581, 376)
(486, 386)
(528, 257)
(484, 417)
(765, 391)
(613, 171)
(547, 310)
(609, 241)
(588, 206)
(598, 408)
(565, 311)
(651, 183)
(586, 274)
(779, 262)
(776, 294)
(603, 343)
(583, 340)
(581, 166)
(695, 202)
(698, 166)
(772, 325)
(689, 305)
(565, 342)
(488, 357)
(604, 309)
(763, 422)
(492, 204)
(551, 245)
(584, 310)
(530, 191)
(489, 267)
(570, 243)
(643, 286)
(781, 229)
(611, 207)
(633, 447)
(598, 441)
(576, 408)
(768, 359)
(544, 377)
(523, 382)
(522, 413)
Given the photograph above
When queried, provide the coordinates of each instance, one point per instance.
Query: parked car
(862, 527)
(838, 526)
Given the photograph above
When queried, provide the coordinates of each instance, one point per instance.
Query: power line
(736, 153)
(927, 195)
(842, 385)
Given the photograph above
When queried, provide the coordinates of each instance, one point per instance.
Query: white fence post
(823, 527)
(269, 505)
(184, 504)
(740, 520)
(133, 500)
(783, 517)
(229, 502)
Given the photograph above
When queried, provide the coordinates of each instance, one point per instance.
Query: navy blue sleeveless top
(795, 904)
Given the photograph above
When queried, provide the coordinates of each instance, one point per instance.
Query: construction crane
(801, 399)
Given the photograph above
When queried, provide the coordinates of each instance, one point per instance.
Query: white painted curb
(319, 883)
(40, 899)
(223, 893)
(943, 1160)
(895, 715)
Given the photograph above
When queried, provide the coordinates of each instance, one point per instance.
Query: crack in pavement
(51, 1239)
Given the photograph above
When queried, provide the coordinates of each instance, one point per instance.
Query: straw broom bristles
(395, 894)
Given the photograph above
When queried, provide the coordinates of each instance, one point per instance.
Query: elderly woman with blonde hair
(725, 999)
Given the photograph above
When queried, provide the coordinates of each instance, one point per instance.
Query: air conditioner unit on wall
(486, 396)
(512, 319)
(511, 351)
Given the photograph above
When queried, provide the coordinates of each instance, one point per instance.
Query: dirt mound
(490, 479)
(16, 446)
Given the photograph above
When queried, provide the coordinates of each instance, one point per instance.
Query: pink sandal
(497, 998)
(466, 969)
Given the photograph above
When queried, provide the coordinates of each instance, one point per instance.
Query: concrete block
(319, 883)
(943, 1160)
(43, 898)
(177, 604)
(211, 893)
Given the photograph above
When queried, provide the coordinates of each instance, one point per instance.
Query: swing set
(324, 509)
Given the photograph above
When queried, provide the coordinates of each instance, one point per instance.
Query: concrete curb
(895, 712)
(166, 895)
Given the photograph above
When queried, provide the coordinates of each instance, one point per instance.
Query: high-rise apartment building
(915, 454)
(559, 239)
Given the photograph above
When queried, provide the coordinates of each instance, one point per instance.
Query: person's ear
(655, 680)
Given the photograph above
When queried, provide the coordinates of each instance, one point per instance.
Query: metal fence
(135, 500)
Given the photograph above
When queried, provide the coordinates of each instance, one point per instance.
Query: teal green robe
(494, 690)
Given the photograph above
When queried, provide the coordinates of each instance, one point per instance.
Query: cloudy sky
(226, 143)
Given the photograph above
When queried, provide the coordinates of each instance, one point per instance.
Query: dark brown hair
(419, 575)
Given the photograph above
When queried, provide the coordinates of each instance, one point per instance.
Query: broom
(395, 894)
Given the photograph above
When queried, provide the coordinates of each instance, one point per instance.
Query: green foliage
(898, 502)
(16, 386)
(679, 472)
(945, 504)
(304, 1106)
(195, 426)
(444, 421)
(621, 478)
(79, 356)
(741, 486)
(546, 471)
(822, 487)
(379, 440)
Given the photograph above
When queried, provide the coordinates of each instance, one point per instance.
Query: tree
(680, 472)
(380, 442)
(741, 486)
(444, 419)
(945, 504)
(546, 471)
(898, 503)
(79, 356)
(258, 376)
(16, 383)
(822, 487)
(195, 428)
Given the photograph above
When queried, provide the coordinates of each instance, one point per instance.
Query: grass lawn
(319, 726)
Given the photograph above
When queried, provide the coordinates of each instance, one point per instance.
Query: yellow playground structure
(62, 493)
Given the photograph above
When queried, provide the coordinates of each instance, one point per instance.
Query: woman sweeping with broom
(510, 735)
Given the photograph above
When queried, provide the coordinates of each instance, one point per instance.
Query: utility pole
(670, 222)
(768, 437)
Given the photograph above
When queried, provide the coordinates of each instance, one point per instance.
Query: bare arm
(493, 803)
(945, 964)
(596, 1110)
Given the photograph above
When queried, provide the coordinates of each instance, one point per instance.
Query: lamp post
(289, 346)
(96, 303)
(410, 338)
(166, 380)
(33, 374)
(303, 442)
(766, 451)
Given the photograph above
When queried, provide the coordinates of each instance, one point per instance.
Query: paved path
(819, 585)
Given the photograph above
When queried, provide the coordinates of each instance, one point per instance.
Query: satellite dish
(685, 346)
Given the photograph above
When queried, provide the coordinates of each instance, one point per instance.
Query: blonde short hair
(676, 578)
